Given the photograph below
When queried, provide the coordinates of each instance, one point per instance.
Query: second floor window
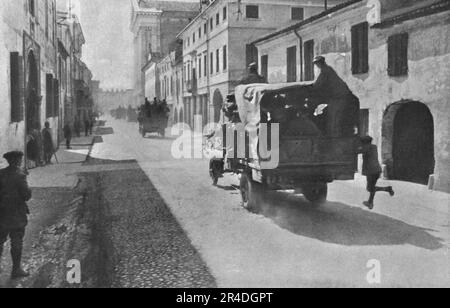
(398, 55)
(217, 19)
(225, 13)
(225, 58)
(297, 13)
(360, 48)
(252, 11)
(218, 60)
(31, 7)
(292, 64)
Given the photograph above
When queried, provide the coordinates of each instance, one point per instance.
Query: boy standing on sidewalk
(372, 170)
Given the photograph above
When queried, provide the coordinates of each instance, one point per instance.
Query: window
(265, 66)
(200, 33)
(251, 54)
(211, 63)
(364, 122)
(225, 13)
(46, 19)
(211, 24)
(309, 58)
(292, 64)
(217, 19)
(398, 55)
(193, 38)
(252, 11)
(297, 13)
(49, 95)
(225, 58)
(55, 97)
(200, 67)
(31, 7)
(16, 78)
(205, 66)
(218, 60)
(360, 48)
(205, 28)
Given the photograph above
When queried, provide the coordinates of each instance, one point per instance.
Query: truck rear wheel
(251, 193)
(316, 193)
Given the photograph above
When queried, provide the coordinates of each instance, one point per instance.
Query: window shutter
(49, 96)
(292, 64)
(55, 97)
(16, 80)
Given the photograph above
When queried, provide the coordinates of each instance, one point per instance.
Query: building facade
(395, 57)
(217, 48)
(29, 78)
(155, 25)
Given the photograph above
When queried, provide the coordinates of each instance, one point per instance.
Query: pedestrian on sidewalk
(87, 125)
(49, 149)
(68, 135)
(14, 194)
(372, 170)
(77, 127)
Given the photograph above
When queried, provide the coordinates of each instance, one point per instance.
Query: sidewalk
(54, 201)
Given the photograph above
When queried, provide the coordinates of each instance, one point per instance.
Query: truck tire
(251, 193)
(316, 193)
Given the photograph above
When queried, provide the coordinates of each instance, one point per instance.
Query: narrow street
(289, 244)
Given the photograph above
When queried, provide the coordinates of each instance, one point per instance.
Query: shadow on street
(342, 224)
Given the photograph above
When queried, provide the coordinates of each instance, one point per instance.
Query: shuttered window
(297, 13)
(265, 66)
(360, 48)
(292, 64)
(251, 53)
(55, 98)
(309, 58)
(49, 95)
(398, 55)
(211, 63)
(252, 11)
(205, 66)
(16, 79)
(218, 60)
(225, 58)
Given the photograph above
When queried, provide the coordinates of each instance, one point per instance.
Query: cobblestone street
(149, 247)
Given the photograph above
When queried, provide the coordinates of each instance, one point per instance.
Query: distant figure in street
(68, 135)
(253, 76)
(372, 170)
(14, 193)
(87, 126)
(343, 106)
(77, 127)
(49, 149)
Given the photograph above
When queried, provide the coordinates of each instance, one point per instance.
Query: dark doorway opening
(218, 103)
(413, 143)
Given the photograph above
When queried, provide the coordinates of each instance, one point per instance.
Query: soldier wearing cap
(14, 193)
(343, 106)
(253, 76)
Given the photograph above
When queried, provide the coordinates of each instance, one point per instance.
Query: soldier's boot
(17, 271)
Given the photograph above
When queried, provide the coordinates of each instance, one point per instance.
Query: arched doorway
(218, 103)
(408, 134)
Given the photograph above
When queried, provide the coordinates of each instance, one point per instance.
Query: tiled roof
(440, 6)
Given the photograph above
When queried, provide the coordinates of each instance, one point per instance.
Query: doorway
(413, 143)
